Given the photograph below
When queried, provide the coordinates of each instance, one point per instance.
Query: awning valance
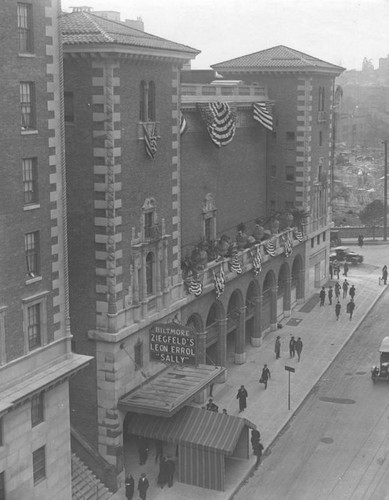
(192, 426)
(170, 390)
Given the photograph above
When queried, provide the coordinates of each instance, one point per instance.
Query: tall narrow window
(321, 98)
(2, 486)
(30, 181)
(39, 464)
(24, 14)
(149, 273)
(27, 105)
(151, 101)
(149, 223)
(320, 138)
(142, 101)
(31, 248)
(37, 412)
(34, 326)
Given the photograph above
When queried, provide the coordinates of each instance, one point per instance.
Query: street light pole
(386, 191)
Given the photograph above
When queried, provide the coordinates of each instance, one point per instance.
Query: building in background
(36, 361)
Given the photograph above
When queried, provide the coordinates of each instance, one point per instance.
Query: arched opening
(212, 327)
(297, 284)
(251, 311)
(282, 290)
(268, 316)
(233, 325)
(149, 274)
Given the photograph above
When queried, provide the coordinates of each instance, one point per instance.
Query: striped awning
(192, 426)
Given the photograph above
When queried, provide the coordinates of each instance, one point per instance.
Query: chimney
(136, 23)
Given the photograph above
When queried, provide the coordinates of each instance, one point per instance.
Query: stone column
(287, 298)
(240, 340)
(300, 291)
(201, 353)
(256, 339)
(273, 308)
(222, 347)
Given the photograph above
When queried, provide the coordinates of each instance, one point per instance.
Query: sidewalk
(323, 337)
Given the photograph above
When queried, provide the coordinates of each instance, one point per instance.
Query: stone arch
(297, 280)
(283, 289)
(215, 326)
(269, 302)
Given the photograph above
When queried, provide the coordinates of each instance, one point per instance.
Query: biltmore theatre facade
(198, 218)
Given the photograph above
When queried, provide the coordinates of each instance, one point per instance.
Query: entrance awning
(193, 426)
(175, 387)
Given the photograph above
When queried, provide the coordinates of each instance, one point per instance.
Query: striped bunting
(219, 282)
(262, 114)
(194, 286)
(234, 264)
(298, 234)
(288, 248)
(150, 141)
(183, 124)
(256, 260)
(270, 247)
(220, 121)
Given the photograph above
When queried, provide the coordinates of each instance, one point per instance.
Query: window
(24, 14)
(69, 106)
(149, 223)
(312, 242)
(37, 413)
(149, 273)
(27, 105)
(2, 486)
(30, 180)
(324, 236)
(39, 464)
(318, 239)
(209, 217)
(147, 110)
(31, 248)
(138, 355)
(34, 326)
(289, 174)
(320, 138)
(290, 136)
(321, 98)
(273, 171)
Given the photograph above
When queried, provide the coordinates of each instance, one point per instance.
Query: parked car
(344, 254)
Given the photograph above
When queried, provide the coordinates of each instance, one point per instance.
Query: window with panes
(30, 180)
(149, 273)
(39, 464)
(37, 409)
(31, 248)
(24, 15)
(27, 109)
(34, 326)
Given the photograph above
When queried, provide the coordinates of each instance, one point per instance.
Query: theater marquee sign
(173, 343)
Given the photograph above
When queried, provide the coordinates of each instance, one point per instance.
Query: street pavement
(323, 337)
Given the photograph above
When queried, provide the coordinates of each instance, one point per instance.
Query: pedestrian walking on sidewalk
(277, 347)
(292, 347)
(322, 295)
(143, 485)
(258, 449)
(330, 295)
(255, 437)
(129, 486)
(337, 289)
(265, 375)
(170, 469)
(352, 292)
(350, 308)
(337, 270)
(360, 240)
(385, 274)
(345, 288)
(337, 309)
(345, 269)
(242, 396)
(299, 347)
(163, 473)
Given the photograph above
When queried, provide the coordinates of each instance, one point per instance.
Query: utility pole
(386, 191)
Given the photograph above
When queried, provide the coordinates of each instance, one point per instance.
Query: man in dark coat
(345, 288)
(163, 473)
(345, 269)
(258, 449)
(292, 346)
(170, 469)
(130, 485)
(330, 295)
(299, 347)
(265, 375)
(255, 437)
(352, 292)
(385, 274)
(337, 310)
(322, 295)
(350, 308)
(143, 485)
(242, 396)
(337, 289)
(277, 347)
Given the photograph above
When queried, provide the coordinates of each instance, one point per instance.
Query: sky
(341, 32)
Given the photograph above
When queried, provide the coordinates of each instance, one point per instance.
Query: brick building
(153, 210)
(36, 361)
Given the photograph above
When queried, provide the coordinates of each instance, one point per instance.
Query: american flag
(183, 124)
(270, 247)
(262, 114)
(288, 248)
(234, 264)
(256, 260)
(150, 141)
(194, 287)
(220, 121)
(219, 282)
(298, 235)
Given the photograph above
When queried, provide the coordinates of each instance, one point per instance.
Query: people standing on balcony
(345, 288)
(330, 295)
(242, 397)
(337, 309)
(277, 347)
(322, 295)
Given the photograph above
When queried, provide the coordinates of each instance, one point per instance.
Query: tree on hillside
(372, 214)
